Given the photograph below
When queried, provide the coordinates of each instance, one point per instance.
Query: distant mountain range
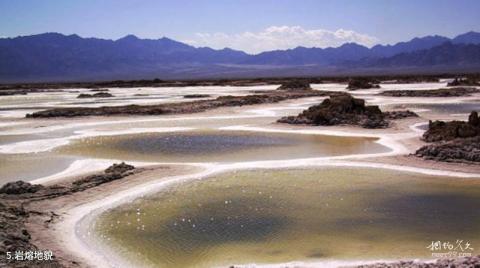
(57, 57)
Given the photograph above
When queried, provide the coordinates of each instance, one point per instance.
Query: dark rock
(445, 131)
(19, 187)
(196, 96)
(295, 85)
(465, 81)
(99, 90)
(362, 83)
(102, 95)
(441, 92)
(458, 150)
(413, 79)
(473, 119)
(119, 168)
(114, 172)
(182, 107)
(96, 95)
(341, 109)
(394, 115)
(84, 96)
(454, 141)
(12, 92)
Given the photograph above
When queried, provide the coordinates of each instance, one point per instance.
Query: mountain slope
(53, 57)
(446, 54)
(412, 45)
(467, 38)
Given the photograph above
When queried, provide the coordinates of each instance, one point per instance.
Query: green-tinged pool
(272, 216)
(219, 146)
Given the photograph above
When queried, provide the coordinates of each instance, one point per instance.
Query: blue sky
(240, 23)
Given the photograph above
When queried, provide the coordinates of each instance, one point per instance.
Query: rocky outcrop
(337, 110)
(394, 115)
(362, 83)
(114, 172)
(295, 85)
(455, 141)
(96, 95)
(119, 168)
(12, 92)
(458, 150)
(99, 90)
(182, 107)
(441, 92)
(465, 81)
(463, 262)
(446, 131)
(19, 187)
(15, 209)
(345, 109)
(413, 80)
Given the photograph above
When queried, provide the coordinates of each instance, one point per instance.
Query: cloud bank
(280, 37)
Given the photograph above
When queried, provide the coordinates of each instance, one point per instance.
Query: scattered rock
(12, 92)
(295, 85)
(441, 92)
(96, 95)
(465, 81)
(19, 187)
(413, 80)
(394, 115)
(196, 96)
(181, 107)
(99, 90)
(362, 83)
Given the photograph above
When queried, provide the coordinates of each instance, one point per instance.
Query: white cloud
(281, 37)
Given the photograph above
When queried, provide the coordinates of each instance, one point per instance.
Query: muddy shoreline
(20, 202)
(31, 216)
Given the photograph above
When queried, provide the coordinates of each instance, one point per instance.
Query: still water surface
(272, 216)
(219, 146)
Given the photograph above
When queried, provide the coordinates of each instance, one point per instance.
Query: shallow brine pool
(275, 216)
(220, 146)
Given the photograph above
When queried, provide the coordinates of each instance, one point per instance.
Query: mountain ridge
(51, 56)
